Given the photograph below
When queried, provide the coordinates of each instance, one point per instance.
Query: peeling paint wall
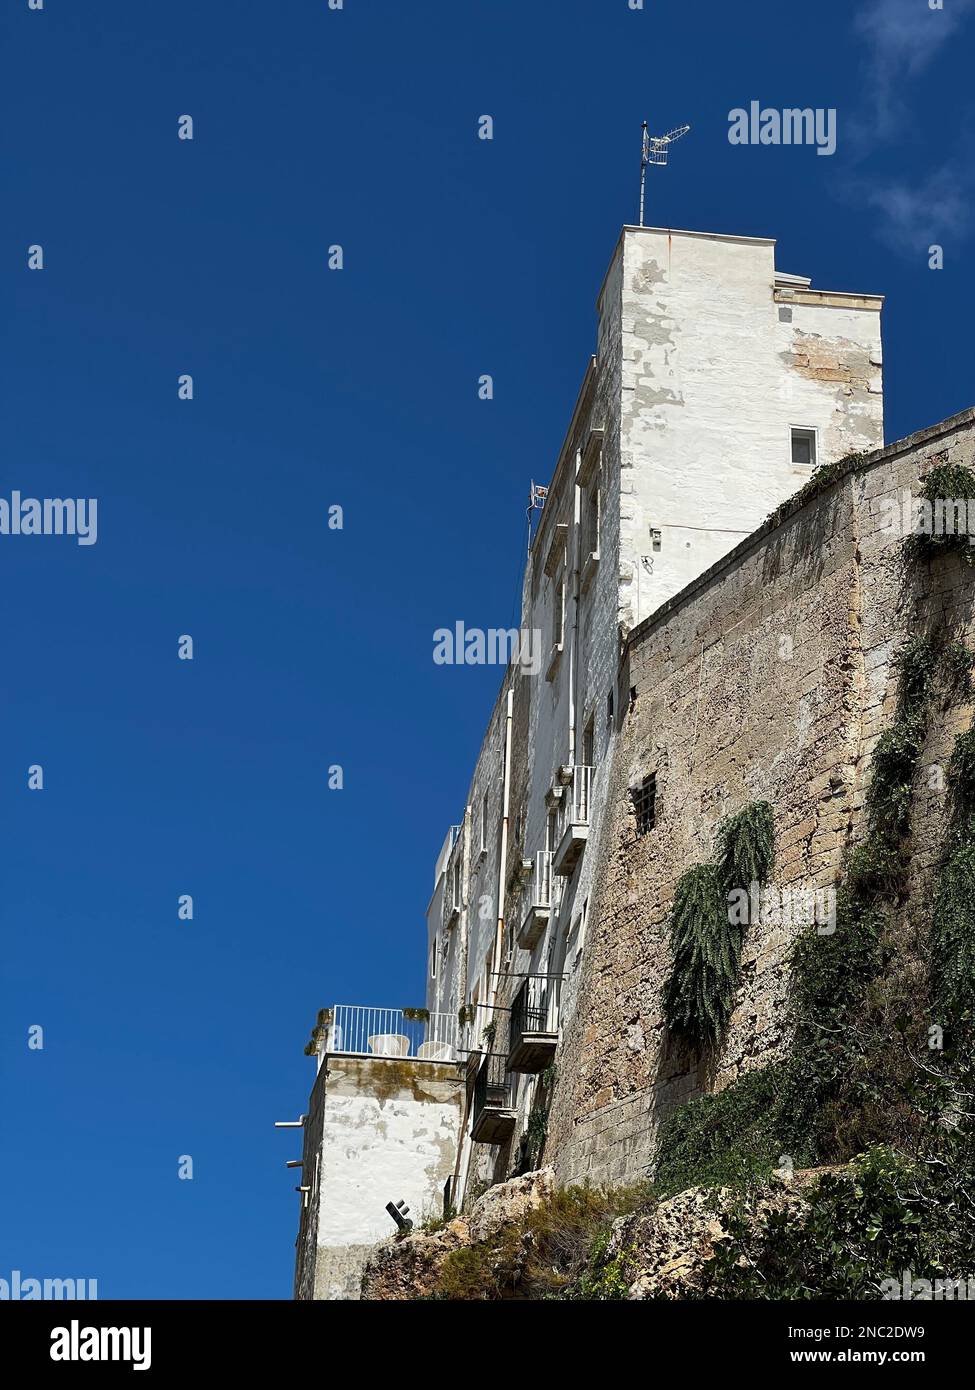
(718, 366)
(379, 1129)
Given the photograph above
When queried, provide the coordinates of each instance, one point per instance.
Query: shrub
(894, 761)
(726, 1139)
(953, 936)
(948, 482)
(861, 1228)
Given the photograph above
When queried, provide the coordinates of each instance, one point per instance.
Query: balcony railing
(534, 1024)
(493, 1115)
(390, 1033)
(536, 905)
(573, 820)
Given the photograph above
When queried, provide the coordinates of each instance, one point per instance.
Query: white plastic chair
(389, 1044)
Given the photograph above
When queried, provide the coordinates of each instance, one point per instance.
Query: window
(434, 957)
(484, 823)
(589, 744)
(609, 708)
(456, 897)
(558, 610)
(551, 830)
(555, 569)
(591, 546)
(804, 448)
(645, 804)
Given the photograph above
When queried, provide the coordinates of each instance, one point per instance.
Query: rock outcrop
(666, 1248)
(408, 1266)
(661, 1249)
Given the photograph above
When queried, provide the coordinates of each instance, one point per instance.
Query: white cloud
(916, 216)
(902, 36)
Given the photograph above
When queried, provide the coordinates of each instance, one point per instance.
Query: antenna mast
(655, 149)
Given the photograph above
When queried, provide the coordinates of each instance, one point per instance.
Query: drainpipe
(503, 854)
(466, 1146)
(574, 640)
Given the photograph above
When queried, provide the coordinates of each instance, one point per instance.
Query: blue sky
(315, 387)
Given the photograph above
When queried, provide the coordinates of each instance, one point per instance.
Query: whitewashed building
(718, 385)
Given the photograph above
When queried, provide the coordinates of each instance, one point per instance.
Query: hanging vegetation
(953, 919)
(941, 489)
(706, 936)
(827, 1099)
(745, 847)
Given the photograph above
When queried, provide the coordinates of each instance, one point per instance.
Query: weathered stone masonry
(771, 676)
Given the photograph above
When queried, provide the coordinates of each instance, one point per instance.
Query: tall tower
(718, 385)
(735, 382)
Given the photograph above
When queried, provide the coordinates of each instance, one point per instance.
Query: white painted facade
(680, 444)
(379, 1129)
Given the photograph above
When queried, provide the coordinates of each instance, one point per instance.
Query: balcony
(534, 1025)
(573, 822)
(493, 1114)
(426, 1037)
(536, 905)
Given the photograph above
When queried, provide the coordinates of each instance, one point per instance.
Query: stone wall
(770, 677)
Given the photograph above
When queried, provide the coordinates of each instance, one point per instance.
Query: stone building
(719, 383)
(770, 677)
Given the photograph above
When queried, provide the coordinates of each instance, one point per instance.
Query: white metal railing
(538, 891)
(391, 1033)
(574, 805)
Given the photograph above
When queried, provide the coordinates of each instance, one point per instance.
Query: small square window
(645, 804)
(804, 448)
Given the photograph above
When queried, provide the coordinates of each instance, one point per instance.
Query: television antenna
(655, 151)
